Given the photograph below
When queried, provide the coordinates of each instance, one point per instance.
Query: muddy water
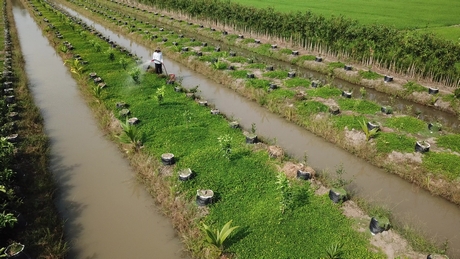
(435, 216)
(107, 214)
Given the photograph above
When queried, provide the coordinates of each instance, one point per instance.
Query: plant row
(422, 53)
(326, 111)
(445, 100)
(268, 207)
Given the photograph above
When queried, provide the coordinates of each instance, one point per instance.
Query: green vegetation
(388, 142)
(276, 74)
(361, 47)
(442, 163)
(254, 65)
(245, 183)
(334, 65)
(301, 59)
(297, 82)
(406, 124)
(402, 51)
(239, 73)
(311, 107)
(411, 87)
(369, 74)
(351, 122)
(257, 83)
(218, 237)
(422, 14)
(369, 133)
(324, 92)
(451, 141)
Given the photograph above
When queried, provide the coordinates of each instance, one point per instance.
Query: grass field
(412, 14)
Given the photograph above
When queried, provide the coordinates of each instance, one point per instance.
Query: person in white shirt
(158, 60)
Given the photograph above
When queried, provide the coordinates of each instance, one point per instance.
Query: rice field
(438, 16)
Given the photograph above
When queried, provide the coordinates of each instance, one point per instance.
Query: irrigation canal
(107, 213)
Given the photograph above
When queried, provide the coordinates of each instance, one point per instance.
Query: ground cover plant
(329, 93)
(195, 143)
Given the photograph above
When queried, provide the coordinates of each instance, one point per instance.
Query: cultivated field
(436, 16)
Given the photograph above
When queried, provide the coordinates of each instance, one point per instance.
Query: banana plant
(217, 237)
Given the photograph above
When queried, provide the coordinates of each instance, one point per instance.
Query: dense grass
(351, 122)
(245, 184)
(369, 74)
(310, 107)
(258, 83)
(406, 124)
(388, 142)
(446, 164)
(403, 15)
(324, 92)
(447, 32)
(297, 81)
(450, 141)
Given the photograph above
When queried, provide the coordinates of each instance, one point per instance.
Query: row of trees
(411, 52)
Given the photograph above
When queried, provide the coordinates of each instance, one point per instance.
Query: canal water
(435, 216)
(107, 214)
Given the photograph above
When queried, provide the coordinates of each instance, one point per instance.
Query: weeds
(135, 74)
(160, 94)
(110, 54)
(123, 62)
(225, 143)
(284, 188)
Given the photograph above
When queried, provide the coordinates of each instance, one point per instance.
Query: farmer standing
(158, 60)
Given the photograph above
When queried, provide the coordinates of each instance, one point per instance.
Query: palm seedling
(130, 135)
(75, 66)
(369, 133)
(217, 237)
